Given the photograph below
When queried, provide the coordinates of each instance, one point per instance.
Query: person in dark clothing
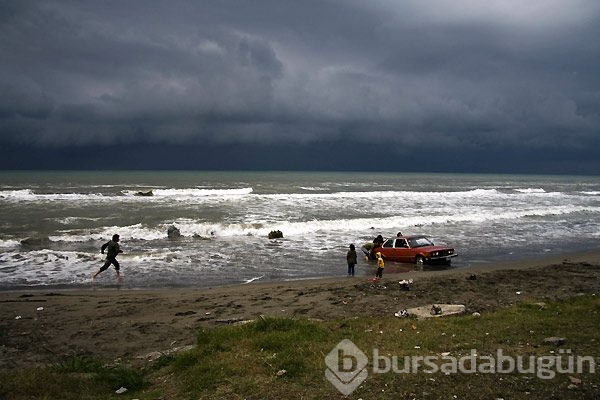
(377, 243)
(113, 250)
(351, 257)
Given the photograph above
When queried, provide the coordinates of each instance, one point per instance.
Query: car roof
(409, 237)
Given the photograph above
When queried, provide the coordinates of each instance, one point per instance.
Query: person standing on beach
(351, 257)
(113, 249)
(380, 265)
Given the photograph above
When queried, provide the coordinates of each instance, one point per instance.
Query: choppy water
(225, 217)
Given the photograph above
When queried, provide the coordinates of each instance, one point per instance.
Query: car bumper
(442, 258)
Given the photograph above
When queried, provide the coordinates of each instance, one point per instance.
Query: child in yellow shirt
(380, 265)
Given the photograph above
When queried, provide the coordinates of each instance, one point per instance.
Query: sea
(224, 219)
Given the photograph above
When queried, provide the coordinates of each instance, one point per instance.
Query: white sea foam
(250, 280)
(28, 195)
(190, 228)
(530, 190)
(201, 195)
(375, 195)
(21, 194)
(224, 226)
(136, 231)
(71, 220)
(191, 193)
(9, 243)
(42, 262)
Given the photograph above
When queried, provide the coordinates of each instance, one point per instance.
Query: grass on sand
(285, 358)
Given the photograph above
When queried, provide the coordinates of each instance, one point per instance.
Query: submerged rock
(275, 234)
(173, 232)
(145, 193)
(36, 241)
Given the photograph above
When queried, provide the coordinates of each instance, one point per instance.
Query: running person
(113, 250)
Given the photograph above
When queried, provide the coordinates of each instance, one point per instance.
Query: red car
(415, 249)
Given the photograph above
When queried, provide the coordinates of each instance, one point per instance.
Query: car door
(387, 250)
(401, 251)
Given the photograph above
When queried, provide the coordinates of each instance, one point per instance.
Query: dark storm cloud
(467, 75)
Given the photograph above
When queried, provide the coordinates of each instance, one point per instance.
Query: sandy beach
(43, 326)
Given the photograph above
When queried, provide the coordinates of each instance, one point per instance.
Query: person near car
(352, 259)
(377, 243)
(380, 265)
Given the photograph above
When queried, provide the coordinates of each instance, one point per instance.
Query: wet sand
(44, 326)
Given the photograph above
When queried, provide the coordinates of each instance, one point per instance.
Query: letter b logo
(346, 366)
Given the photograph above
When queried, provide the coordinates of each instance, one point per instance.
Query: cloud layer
(459, 75)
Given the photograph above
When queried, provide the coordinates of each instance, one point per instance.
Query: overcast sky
(447, 85)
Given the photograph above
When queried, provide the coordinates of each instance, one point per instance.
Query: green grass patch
(74, 378)
(275, 358)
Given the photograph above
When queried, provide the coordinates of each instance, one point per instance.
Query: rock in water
(275, 234)
(173, 232)
(36, 241)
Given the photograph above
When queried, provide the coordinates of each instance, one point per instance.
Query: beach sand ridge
(38, 327)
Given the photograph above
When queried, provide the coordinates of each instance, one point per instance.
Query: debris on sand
(435, 310)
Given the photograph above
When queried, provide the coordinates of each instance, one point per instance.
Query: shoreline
(44, 326)
(402, 270)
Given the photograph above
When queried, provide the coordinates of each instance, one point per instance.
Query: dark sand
(135, 324)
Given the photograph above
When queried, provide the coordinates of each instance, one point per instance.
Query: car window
(419, 242)
(401, 243)
(389, 243)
